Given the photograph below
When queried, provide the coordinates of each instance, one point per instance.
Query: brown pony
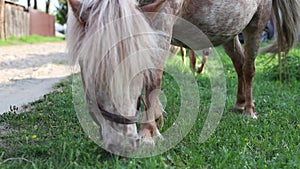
(113, 81)
(222, 21)
(193, 59)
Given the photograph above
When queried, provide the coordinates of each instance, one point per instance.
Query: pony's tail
(287, 15)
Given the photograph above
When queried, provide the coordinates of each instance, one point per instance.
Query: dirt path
(27, 72)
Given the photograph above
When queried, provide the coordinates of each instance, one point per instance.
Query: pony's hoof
(200, 69)
(158, 135)
(148, 142)
(254, 116)
(251, 115)
(250, 111)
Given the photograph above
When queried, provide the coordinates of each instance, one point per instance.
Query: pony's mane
(115, 46)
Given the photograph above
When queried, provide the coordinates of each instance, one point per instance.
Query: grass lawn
(29, 40)
(50, 136)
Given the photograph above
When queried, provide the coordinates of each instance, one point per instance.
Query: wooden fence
(15, 20)
(41, 23)
(2, 35)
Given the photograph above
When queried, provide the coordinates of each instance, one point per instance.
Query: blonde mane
(117, 47)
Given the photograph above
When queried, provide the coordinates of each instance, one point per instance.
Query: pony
(121, 50)
(193, 60)
(249, 17)
(116, 70)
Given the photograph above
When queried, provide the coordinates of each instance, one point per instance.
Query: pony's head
(117, 51)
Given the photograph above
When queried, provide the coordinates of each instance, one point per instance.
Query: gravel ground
(27, 72)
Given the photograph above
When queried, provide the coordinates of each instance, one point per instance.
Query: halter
(124, 119)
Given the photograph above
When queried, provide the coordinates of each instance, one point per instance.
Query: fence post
(2, 16)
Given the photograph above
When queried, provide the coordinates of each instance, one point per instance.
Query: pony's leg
(154, 96)
(252, 41)
(192, 57)
(183, 52)
(205, 53)
(201, 67)
(153, 117)
(234, 50)
(252, 35)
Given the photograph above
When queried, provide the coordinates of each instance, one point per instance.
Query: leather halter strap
(123, 119)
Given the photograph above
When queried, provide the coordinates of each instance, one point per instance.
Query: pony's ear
(154, 7)
(76, 8)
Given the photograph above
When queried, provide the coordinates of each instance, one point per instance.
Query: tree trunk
(35, 4)
(2, 17)
(28, 3)
(48, 6)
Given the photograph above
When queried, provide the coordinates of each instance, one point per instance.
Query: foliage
(49, 134)
(28, 39)
(62, 11)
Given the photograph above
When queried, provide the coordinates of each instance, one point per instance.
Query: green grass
(28, 40)
(50, 136)
(290, 69)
